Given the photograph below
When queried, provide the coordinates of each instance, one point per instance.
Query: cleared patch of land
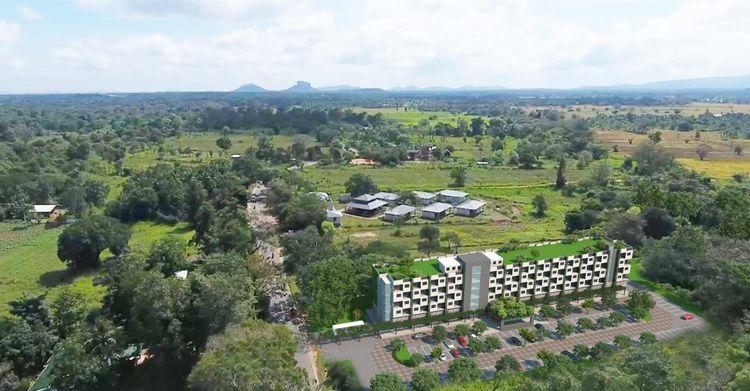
(690, 109)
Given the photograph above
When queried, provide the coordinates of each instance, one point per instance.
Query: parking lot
(373, 355)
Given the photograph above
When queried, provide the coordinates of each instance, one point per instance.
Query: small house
(425, 198)
(258, 192)
(47, 211)
(334, 217)
(365, 205)
(453, 197)
(470, 208)
(390, 198)
(399, 213)
(436, 211)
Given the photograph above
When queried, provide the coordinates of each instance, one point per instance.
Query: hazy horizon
(70, 46)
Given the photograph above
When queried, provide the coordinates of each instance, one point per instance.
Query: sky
(217, 45)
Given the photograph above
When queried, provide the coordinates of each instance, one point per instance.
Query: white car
(443, 357)
(449, 345)
(473, 336)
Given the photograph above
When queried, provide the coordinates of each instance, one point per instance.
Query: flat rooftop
(416, 268)
(550, 251)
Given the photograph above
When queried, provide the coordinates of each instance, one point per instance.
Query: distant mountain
(704, 83)
(301, 87)
(250, 88)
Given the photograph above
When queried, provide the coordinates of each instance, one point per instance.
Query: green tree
(492, 343)
(359, 184)
(460, 176)
(640, 304)
(330, 287)
(425, 379)
(77, 368)
(507, 363)
(626, 227)
(224, 143)
(581, 351)
(585, 323)
(306, 247)
(476, 345)
(588, 304)
(168, 256)
(609, 298)
(616, 318)
(461, 330)
(565, 329)
(540, 205)
(601, 349)
(386, 381)
(463, 370)
(479, 327)
(67, 309)
(546, 311)
(623, 341)
(439, 333)
(647, 338)
(560, 180)
(302, 211)
(80, 243)
(563, 307)
(254, 355)
(607, 378)
(436, 352)
(652, 368)
(510, 308)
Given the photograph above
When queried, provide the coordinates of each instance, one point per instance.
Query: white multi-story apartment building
(467, 282)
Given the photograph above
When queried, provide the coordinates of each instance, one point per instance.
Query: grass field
(29, 263)
(691, 109)
(549, 251)
(203, 147)
(411, 116)
(721, 162)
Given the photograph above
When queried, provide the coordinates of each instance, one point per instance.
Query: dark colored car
(569, 354)
(517, 341)
(539, 326)
(455, 353)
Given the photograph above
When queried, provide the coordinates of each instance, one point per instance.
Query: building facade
(467, 282)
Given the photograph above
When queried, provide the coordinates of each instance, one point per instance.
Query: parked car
(455, 353)
(688, 316)
(443, 357)
(539, 326)
(419, 336)
(569, 354)
(449, 345)
(517, 341)
(473, 336)
(462, 342)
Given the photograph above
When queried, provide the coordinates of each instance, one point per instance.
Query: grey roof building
(425, 198)
(390, 198)
(365, 205)
(470, 208)
(436, 211)
(453, 197)
(401, 212)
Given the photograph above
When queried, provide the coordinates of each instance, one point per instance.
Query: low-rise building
(453, 197)
(390, 198)
(399, 213)
(365, 205)
(470, 208)
(436, 211)
(50, 212)
(425, 198)
(467, 282)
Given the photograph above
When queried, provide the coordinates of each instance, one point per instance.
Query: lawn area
(412, 116)
(402, 355)
(418, 268)
(549, 251)
(29, 263)
(637, 276)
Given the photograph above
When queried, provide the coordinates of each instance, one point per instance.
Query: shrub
(527, 334)
(581, 351)
(647, 338)
(492, 343)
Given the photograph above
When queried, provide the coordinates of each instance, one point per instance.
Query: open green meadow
(412, 116)
(29, 263)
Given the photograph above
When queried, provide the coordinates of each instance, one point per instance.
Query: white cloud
(29, 13)
(384, 43)
(225, 9)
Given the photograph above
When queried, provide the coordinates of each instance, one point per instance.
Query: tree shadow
(180, 230)
(54, 278)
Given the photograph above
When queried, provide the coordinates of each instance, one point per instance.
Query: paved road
(280, 301)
